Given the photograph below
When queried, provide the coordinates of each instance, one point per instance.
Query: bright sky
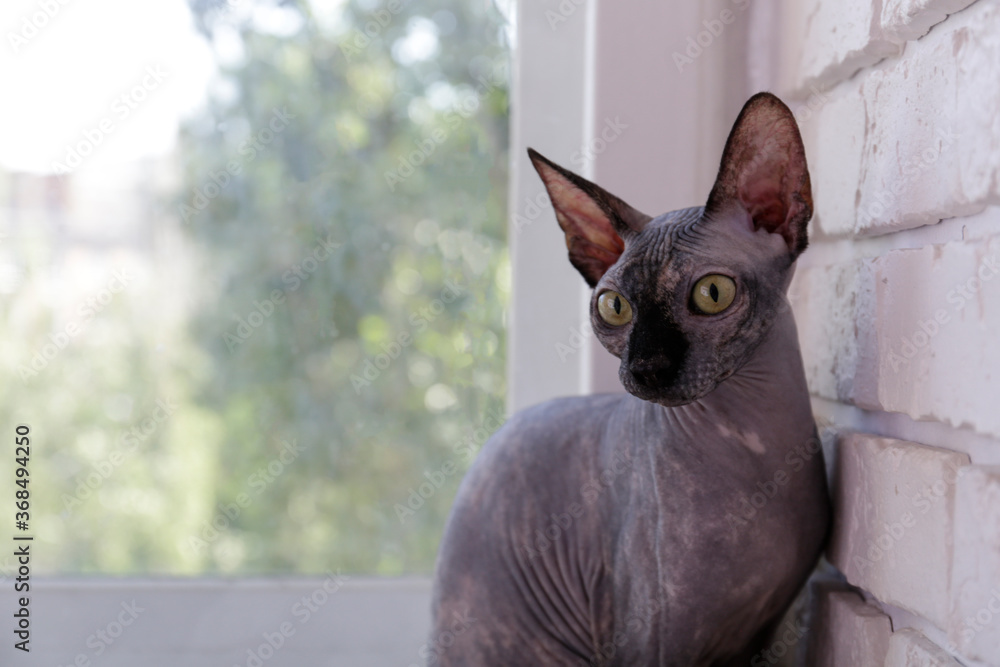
(117, 73)
(93, 82)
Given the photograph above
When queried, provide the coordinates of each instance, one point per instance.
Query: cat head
(684, 299)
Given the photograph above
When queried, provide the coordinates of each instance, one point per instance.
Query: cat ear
(596, 223)
(764, 170)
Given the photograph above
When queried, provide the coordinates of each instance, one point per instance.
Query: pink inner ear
(579, 216)
(764, 169)
(766, 203)
(765, 187)
(596, 223)
(591, 260)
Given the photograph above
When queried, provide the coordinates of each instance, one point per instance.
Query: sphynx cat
(674, 524)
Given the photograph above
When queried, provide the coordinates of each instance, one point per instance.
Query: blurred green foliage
(345, 199)
(358, 113)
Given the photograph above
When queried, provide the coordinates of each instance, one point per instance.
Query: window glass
(252, 278)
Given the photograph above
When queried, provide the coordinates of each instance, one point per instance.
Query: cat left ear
(764, 169)
(596, 222)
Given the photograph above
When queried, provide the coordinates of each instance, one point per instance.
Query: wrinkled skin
(672, 525)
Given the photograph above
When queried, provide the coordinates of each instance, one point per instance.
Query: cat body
(672, 525)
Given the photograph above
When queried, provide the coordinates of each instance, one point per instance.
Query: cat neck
(774, 377)
(764, 406)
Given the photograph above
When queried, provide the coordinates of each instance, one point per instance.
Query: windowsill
(153, 621)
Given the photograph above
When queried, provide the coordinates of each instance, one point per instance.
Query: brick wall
(898, 304)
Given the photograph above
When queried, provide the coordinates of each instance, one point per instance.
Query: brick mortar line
(982, 449)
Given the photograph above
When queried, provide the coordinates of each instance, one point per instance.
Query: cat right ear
(596, 222)
(764, 170)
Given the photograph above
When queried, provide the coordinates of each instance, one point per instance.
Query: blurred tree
(347, 185)
(300, 385)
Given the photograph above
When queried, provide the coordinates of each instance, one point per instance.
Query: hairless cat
(673, 524)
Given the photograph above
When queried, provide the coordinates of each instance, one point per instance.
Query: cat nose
(653, 372)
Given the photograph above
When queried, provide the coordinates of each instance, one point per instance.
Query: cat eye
(614, 309)
(713, 293)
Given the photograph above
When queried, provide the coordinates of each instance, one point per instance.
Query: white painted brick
(892, 532)
(904, 20)
(835, 143)
(917, 138)
(838, 39)
(847, 632)
(833, 306)
(975, 613)
(909, 648)
(932, 149)
(889, 333)
(929, 370)
(833, 40)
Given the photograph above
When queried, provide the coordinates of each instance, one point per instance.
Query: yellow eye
(713, 293)
(614, 309)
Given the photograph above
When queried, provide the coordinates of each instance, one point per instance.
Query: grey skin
(672, 525)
